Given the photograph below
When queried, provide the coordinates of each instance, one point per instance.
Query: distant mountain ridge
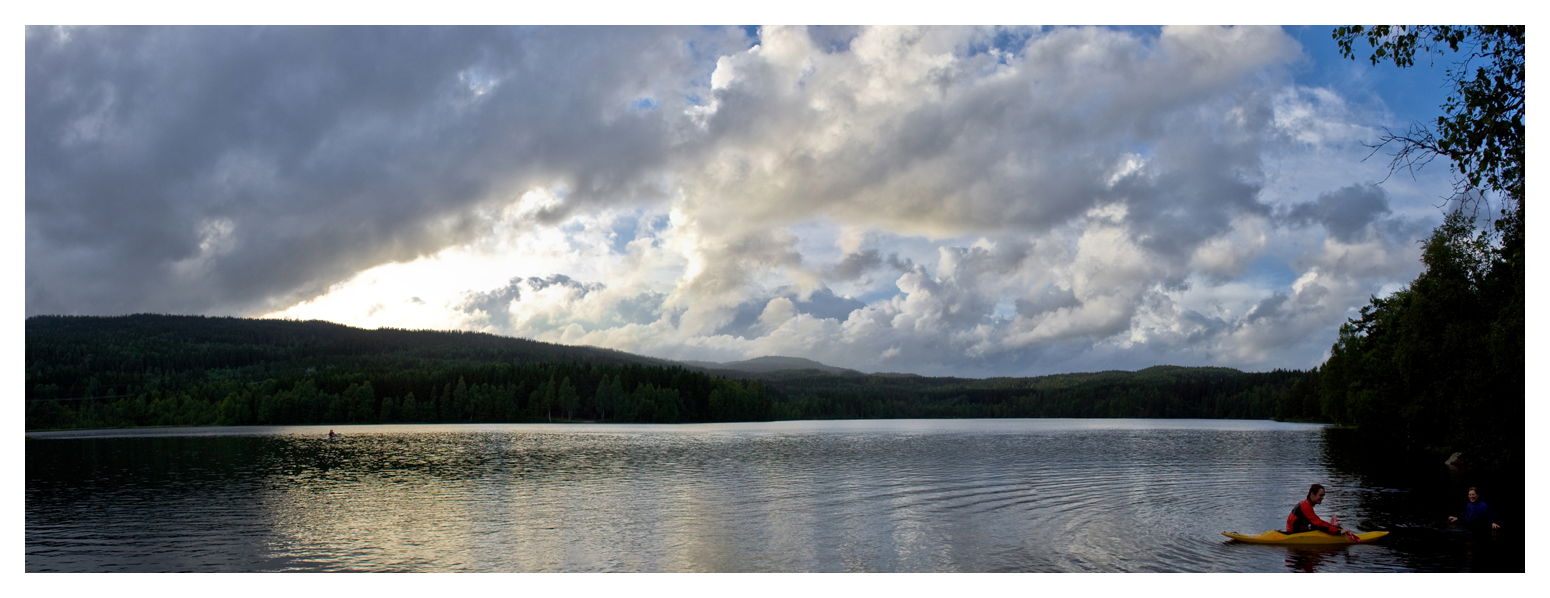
(194, 342)
(218, 337)
(774, 364)
(147, 369)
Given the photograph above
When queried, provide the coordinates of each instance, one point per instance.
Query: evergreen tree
(1438, 366)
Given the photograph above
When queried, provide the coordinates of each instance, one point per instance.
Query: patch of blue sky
(1389, 288)
(643, 308)
(643, 105)
(824, 303)
(1004, 310)
(833, 39)
(744, 318)
(575, 235)
(1414, 94)
(1007, 42)
(815, 240)
(706, 57)
(624, 227)
(1146, 34)
(880, 295)
(1270, 271)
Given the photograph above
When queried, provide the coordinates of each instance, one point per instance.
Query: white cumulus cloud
(942, 200)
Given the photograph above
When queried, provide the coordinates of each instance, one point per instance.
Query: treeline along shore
(157, 370)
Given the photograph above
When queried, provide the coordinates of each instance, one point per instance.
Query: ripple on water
(815, 496)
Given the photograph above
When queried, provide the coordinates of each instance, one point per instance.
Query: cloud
(323, 150)
(944, 200)
(490, 305)
(1046, 300)
(493, 307)
(1346, 213)
(856, 264)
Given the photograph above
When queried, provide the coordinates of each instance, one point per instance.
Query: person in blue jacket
(1477, 514)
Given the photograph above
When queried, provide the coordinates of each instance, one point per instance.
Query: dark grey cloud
(1073, 177)
(235, 169)
(1023, 139)
(1347, 213)
(539, 284)
(855, 265)
(1270, 308)
(1198, 181)
(493, 304)
(1045, 300)
(833, 38)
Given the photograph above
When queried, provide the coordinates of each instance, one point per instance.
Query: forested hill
(66, 348)
(1156, 392)
(146, 370)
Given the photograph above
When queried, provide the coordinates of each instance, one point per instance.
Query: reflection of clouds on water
(1004, 495)
(343, 506)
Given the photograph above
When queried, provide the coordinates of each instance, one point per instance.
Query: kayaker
(1477, 514)
(1303, 519)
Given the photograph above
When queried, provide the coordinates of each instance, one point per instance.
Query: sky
(940, 200)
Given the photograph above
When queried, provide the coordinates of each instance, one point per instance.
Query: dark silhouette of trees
(1438, 367)
(162, 370)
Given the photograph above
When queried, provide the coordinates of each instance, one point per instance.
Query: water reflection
(1307, 560)
(999, 495)
(1413, 500)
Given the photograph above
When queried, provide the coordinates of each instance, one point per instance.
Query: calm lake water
(1046, 495)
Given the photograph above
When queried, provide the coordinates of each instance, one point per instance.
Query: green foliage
(141, 370)
(1438, 367)
(1481, 129)
(162, 370)
(1159, 392)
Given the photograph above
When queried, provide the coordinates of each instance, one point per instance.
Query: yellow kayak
(1314, 538)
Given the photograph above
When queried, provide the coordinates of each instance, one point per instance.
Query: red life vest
(1303, 519)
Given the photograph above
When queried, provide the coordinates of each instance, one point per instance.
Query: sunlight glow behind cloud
(940, 200)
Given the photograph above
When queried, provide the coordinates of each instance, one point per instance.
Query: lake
(1017, 495)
